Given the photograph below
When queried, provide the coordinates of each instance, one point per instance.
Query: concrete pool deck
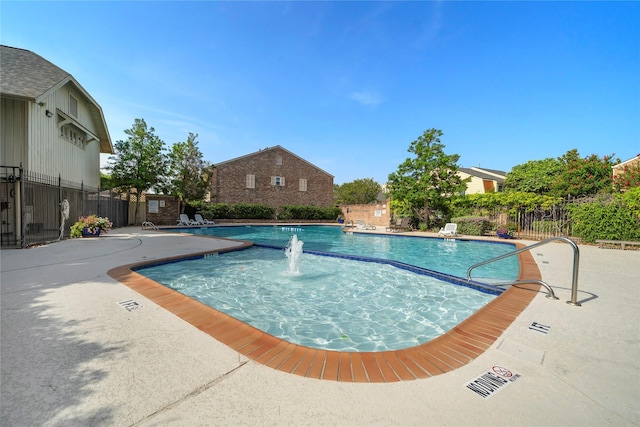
(72, 355)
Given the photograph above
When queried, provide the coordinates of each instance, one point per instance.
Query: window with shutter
(277, 181)
(251, 181)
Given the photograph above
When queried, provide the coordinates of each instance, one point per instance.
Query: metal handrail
(550, 293)
(576, 262)
(149, 224)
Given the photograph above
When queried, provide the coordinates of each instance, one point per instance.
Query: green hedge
(607, 218)
(225, 211)
(291, 212)
(473, 226)
(255, 211)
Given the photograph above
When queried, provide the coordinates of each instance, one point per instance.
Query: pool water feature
(333, 303)
(294, 252)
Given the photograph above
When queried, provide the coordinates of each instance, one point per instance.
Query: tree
(583, 177)
(139, 162)
(359, 191)
(106, 183)
(428, 181)
(534, 176)
(189, 176)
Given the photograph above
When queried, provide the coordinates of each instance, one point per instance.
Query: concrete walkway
(72, 355)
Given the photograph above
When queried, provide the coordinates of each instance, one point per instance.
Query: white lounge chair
(364, 226)
(184, 220)
(450, 229)
(201, 221)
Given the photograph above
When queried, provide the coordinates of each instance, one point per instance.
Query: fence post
(60, 199)
(23, 205)
(83, 198)
(98, 203)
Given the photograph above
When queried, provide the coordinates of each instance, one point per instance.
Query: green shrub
(607, 218)
(213, 210)
(251, 211)
(292, 212)
(226, 211)
(472, 226)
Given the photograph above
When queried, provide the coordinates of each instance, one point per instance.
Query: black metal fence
(542, 223)
(536, 224)
(43, 201)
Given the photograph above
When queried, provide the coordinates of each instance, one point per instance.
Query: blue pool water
(446, 256)
(336, 303)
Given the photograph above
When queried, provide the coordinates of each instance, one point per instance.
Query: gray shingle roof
(482, 175)
(27, 76)
(23, 74)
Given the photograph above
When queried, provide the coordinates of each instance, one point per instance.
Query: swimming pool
(333, 304)
(337, 304)
(443, 255)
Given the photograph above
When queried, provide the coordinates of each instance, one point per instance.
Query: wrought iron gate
(10, 180)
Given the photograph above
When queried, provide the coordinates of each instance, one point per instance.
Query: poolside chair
(364, 226)
(400, 225)
(450, 229)
(184, 220)
(201, 221)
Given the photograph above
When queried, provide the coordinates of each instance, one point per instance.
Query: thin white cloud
(365, 98)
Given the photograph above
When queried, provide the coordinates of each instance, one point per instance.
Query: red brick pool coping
(445, 353)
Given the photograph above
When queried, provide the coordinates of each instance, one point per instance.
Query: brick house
(272, 177)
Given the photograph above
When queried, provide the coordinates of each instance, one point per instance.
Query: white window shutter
(251, 181)
(273, 180)
(282, 181)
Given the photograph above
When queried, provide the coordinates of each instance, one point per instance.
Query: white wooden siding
(475, 186)
(13, 130)
(52, 155)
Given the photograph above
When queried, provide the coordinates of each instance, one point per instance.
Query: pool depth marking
(455, 348)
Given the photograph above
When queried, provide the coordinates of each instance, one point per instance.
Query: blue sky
(349, 85)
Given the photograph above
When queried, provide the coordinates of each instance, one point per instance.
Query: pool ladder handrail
(348, 224)
(576, 262)
(150, 225)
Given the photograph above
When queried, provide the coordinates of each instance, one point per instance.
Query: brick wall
(230, 180)
(377, 214)
(168, 210)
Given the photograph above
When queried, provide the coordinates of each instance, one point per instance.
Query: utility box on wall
(162, 210)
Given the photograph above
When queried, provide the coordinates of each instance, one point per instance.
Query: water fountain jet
(293, 251)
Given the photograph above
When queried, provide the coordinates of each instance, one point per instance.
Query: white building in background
(483, 180)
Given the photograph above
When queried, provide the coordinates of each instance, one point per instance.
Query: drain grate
(494, 380)
(129, 305)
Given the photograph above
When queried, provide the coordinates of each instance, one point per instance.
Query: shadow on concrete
(48, 365)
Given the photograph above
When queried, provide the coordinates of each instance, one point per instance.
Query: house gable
(28, 77)
(273, 177)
